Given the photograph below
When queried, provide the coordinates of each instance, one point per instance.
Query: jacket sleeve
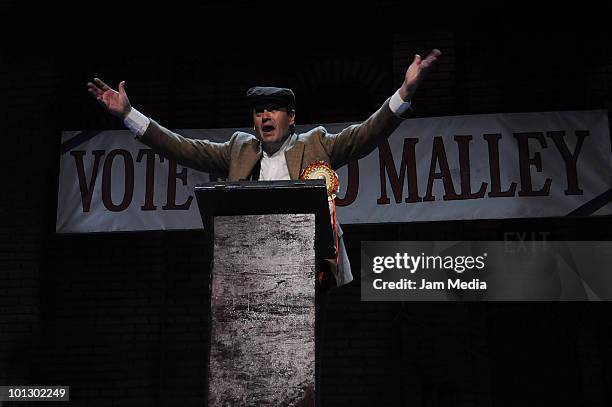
(359, 140)
(201, 155)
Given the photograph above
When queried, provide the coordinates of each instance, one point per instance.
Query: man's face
(272, 122)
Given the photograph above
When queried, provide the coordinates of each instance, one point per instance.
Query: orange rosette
(322, 170)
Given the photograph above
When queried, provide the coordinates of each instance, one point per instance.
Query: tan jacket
(237, 157)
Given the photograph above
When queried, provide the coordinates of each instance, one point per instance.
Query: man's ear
(292, 117)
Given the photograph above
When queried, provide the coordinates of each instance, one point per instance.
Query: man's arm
(357, 141)
(202, 155)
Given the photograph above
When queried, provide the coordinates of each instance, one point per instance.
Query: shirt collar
(280, 150)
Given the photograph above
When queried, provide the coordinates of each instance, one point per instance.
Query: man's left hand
(416, 72)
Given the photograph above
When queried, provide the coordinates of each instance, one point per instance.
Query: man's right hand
(117, 103)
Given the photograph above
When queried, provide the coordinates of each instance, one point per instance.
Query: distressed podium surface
(262, 350)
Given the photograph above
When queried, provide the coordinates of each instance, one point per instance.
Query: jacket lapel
(250, 154)
(293, 156)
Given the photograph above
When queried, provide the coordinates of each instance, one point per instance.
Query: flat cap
(265, 94)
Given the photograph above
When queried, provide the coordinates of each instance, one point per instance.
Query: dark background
(121, 318)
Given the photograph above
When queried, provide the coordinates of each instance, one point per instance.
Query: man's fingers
(95, 93)
(93, 89)
(435, 53)
(122, 87)
(101, 84)
(431, 59)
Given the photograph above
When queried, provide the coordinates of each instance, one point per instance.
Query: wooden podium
(265, 239)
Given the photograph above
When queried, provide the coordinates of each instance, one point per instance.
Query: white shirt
(274, 167)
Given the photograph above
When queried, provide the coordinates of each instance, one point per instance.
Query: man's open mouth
(267, 129)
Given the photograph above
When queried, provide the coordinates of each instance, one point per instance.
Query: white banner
(491, 166)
